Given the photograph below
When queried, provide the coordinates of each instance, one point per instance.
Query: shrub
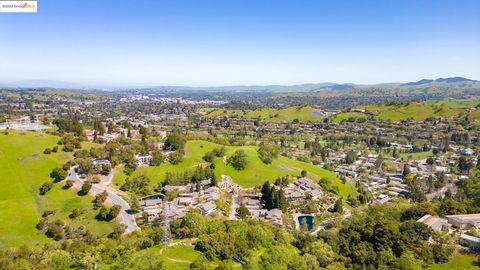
(45, 187)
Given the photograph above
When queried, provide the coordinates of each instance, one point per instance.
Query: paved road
(127, 217)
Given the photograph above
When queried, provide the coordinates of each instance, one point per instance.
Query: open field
(302, 113)
(416, 156)
(458, 262)
(255, 173)
(23, 168)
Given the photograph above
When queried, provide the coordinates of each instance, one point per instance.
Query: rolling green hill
(413, 110)
(302, 113)
(255, 173)
(23, 168)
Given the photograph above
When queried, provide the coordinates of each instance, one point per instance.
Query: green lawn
(23, 168)
(302, 113)
(416, 156)
(474, 116)
(458, 262)
(256, 172)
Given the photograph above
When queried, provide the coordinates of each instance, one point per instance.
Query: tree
(58, 174)
(303, 173)
(68, 184)
(103, 213)
(106, 169)
(47, 151)
(464, 165)
(408, 262)
(350, 157)
(45, 187)
(99, 127)
(135, 204)
(282, 200)
(76, 212)
(96, 179)
(219, 151)
(265, 192)
(114, 211)
(85, 165)
(57, 260)
(199, 263)
(338, 206)
(379, 163)
(238, 160)
(175, 157)
(100, 199)
(213, 181)
(139, 185)
(268, 152)
(243, 212)
(209, 156)
(174, 142)
(157, 158)
(406, 170)
(86, 188)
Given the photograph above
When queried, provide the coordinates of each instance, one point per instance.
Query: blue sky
(238, 42)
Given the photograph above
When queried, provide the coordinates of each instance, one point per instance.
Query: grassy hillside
(302, 113)
(23, 168)
(420, 111)
(255, 173)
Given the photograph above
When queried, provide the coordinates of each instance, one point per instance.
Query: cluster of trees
(69, 142)
(238, 160)
(316, 148)
(175, 142)
(377, 239)
(57, 174)
(267, 152)
(188, 176)
(466, 200)
(108, 214)
(48, 151)
(218, 151)
(273, 197)
(66, 125)
(139, 185)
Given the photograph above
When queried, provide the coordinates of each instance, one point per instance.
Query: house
(207, 208)
(435, 223)
(464, 221)
(211, 193)
(99, 163)
(306, 185)
(152, 200)
(469, 241)
(466, 152)
(143, 159)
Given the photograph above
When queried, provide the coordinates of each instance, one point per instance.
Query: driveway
(126, 215)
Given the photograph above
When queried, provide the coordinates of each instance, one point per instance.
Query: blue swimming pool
(306, 219)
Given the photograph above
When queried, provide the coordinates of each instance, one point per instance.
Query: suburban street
(127, 218)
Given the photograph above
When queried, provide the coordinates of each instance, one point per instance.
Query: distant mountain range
(439, 80)
(309, 87)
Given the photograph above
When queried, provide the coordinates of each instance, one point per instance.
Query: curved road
(127, 217)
